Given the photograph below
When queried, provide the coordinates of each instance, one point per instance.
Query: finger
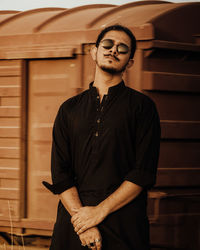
(74, 218)
(79, 227)
(83, 244)
(98, 244)
(77, 223)
(81, 230)
(83, 241)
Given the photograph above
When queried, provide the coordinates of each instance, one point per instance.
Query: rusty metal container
(45, 59)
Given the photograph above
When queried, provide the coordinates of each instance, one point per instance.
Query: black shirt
(96, 146)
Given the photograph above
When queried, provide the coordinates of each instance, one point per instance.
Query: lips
(111, 57)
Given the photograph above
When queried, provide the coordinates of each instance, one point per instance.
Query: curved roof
(25, 22)
(155, 18)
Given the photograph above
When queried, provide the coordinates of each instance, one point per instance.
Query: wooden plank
(9, 131)
(176, 106)
(164, 60)
(10, 68)
(11, 173)
(13, 111)
(40, 151)
(10, 163)
(176, 231)
(178, 177)
(10, 152)
(179, 154)
(9, 183)
(38, 51)
(10, 80)
(9, 208)
(10, 121)
(38, 224)
(46, 232)
(45, 84)
(9, 193)
(7, 229)
(180, 129)
(10, 101)
(41, 133)
(9, 142)
(12, 90)
(41, 196)
(45, 108)
(170, 82)
(26, 248)
(175, 203)
(30, 223)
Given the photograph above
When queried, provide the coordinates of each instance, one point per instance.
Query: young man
(104, 156)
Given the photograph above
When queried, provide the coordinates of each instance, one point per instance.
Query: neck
(103, 81)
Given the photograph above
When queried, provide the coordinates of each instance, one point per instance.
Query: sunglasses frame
(118, 46)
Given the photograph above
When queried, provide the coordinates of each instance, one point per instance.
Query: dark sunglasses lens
(123, 49)
(107, 44)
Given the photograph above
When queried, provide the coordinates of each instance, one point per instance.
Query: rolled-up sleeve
(147, 145)
(61, 167)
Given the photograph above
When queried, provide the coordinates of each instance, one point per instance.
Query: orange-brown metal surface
(45, 59)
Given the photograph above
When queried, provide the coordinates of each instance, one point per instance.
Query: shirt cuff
(59, 187)
(141, 178)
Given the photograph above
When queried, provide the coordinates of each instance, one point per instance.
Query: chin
(111, 70)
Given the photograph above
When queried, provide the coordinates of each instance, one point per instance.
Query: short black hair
(118, 27)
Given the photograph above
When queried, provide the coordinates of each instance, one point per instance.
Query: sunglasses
(109, 43)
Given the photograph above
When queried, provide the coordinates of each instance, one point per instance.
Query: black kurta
(96, 146)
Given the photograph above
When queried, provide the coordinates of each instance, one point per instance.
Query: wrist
(103, 209)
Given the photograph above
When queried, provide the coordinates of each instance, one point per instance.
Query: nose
(113, 50)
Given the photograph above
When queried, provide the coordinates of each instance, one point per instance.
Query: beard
(112, 70)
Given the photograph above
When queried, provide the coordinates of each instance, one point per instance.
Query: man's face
(115, 59)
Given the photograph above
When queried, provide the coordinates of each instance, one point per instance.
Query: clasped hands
(84, 221)
(87, 217)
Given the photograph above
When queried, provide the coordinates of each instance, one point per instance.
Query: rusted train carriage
(45, 59)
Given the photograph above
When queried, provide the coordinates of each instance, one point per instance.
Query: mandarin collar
(113, 90)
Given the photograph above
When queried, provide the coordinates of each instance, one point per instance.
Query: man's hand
(91, 238)
(87, 217)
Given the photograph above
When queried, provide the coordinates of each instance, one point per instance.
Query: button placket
(96, 134)
(100, 111)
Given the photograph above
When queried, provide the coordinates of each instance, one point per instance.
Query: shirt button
(96, 134)
(98, 120)
(98, 97)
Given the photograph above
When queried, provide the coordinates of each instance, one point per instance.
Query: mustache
(115, 57)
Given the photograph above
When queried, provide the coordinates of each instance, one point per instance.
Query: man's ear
(93, 52)
(130, 63)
